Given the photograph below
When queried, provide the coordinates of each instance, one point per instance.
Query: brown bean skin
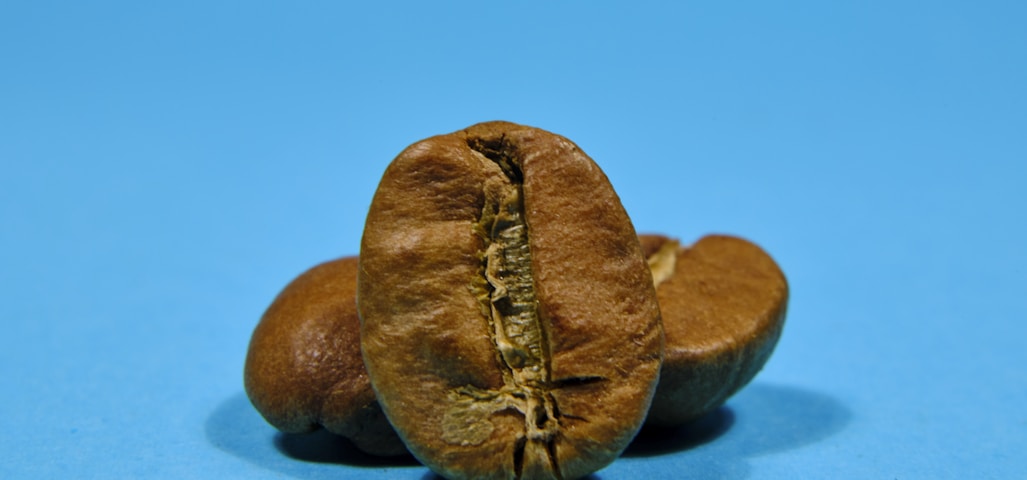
(304, 369)
(509, 321)
(724, 302)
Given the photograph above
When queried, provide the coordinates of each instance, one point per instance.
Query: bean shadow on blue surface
(433, 476)
(235, 427)
(760, 420)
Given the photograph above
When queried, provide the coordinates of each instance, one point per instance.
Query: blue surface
(168, 166)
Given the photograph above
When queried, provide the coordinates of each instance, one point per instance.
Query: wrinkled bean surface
(510, 325)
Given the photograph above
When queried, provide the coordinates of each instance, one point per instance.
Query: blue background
(168, 166)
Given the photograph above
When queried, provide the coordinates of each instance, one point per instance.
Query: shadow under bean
(759, 420)
(236, 428)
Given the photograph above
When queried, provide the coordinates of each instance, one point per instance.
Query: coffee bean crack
(507, 295)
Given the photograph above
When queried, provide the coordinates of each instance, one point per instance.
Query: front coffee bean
(509, 320)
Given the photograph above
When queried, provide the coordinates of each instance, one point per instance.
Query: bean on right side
(723, 302)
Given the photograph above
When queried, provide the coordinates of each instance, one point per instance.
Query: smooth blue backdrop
(166, 167)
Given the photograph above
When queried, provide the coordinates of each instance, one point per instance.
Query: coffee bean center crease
(509, 301)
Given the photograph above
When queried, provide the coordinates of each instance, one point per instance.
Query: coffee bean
(304, 369)
(509, 320)
(723, 302)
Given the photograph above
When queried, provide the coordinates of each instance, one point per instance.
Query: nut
(304, 369)
(510, 325)
(723, 302)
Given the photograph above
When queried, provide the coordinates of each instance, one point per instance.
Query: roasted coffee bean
(304, 369)
(723, 302)
(509, 321)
